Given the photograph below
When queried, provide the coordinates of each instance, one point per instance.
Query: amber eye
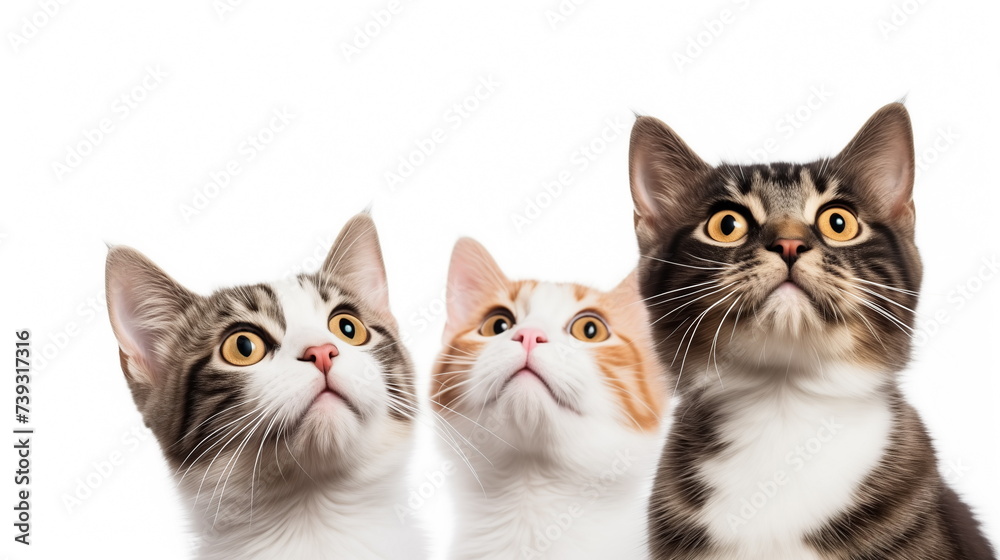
(837, 223)
(727, 226)
(348, 328)
(496, 323)
(243, 348)
(589, 328)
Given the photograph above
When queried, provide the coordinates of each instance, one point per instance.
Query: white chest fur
(555, 520)
(590, 506)
(320, 528)
(794, 458)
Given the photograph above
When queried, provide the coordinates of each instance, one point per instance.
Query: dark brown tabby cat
(782, 299)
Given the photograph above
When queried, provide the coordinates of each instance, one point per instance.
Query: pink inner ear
(474, 279)
(356, 260)
(134, 340)
(645, 205)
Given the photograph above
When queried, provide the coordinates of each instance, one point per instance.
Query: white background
(355, 115)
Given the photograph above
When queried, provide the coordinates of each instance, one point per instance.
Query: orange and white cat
(553, 398)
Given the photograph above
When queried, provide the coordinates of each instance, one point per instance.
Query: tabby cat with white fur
(782, 298)
(285, 409)
(552, 399)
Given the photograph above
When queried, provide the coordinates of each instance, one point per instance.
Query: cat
(285, 409)
(552, 398)
(781, 298)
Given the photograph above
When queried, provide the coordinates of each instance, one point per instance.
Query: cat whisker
(438, 415)
(292, 455)
(674, 290)
(439, 429)
(909, 292)
(724, 264)
(203, 422)
(467, 353)
(695, 324)
(632, 395)
(857, 311)
(208, 439)
(906, 329)
(715, 340)
(715, 285)
(736, 322)
(883, 312)
(892, 301)
(686, 265)
(682, 306)
(231, 466)
(263, 440)
(208, 469)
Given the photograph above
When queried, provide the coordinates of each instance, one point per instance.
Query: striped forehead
(779, 191)
(256, 303)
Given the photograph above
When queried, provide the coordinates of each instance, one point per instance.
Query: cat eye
(589, 328)
(496, 323)
(349, 328)
(727, 226)
(838, 224)
(243, 348)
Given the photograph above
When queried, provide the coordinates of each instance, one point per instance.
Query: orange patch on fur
(633, 379)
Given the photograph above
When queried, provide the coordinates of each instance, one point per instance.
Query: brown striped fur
(855, 317)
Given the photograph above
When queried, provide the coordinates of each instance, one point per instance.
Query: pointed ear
(143, 302)
(627, 291)
(662, 170)
(474, 279)
(355, 260)
(626, 299)
(880, 157)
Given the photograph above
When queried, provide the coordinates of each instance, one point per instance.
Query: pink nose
(529, 338)
(321, 356)
(789, 249)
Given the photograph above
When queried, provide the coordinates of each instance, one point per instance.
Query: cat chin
(532, 394)
(788, 312)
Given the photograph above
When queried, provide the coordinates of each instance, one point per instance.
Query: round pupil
(590, 329)
(728, 224)
(500, 325)
(347, 327)
(838, 223)
(244, 346)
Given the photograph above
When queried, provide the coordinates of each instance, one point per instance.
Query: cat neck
(795, 374)
(570, 502)
(306, 517)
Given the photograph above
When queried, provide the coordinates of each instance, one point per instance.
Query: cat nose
(321, 356)
(789, 249)
(529, 338)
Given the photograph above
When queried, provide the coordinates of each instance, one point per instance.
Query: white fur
(538, 479)
(797, 452)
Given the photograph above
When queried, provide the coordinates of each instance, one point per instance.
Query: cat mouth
(790, 288)
(332, 395)
(527, 372)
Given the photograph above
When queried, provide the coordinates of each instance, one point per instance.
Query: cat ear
(355, 260)
(627, 291)
(880, 157)
(626, 301)
(143, 302)
(662, 170)
(474, 279)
